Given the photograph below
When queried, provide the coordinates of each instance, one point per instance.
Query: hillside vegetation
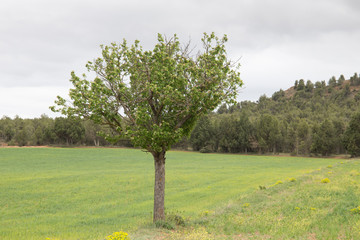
(307, 119)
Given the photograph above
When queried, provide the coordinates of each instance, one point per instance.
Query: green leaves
(352, 136)
(154, 97)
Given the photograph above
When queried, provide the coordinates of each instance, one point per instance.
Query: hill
(306, 119)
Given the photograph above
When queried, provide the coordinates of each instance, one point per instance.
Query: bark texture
(159, 187)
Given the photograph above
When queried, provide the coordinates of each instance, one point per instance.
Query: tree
(355, 80)
(324, 138)
(339, 128)
(341, 80)
(44, 130)
(352, 136)
(7, 128)
(24, 131)
(202, 134)
(301, 85)
(245, 131)
(268, 133)
(223, 109)
(319, 89)
(278, 95)
(154, 97)
(303, 137)
(309, 86)
(332, 82)
(229, 137)
(296, 84)
(92, 131)
(346, 92)
(69, 130)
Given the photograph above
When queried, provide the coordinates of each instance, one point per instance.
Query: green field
(305, 209)
(89, 193)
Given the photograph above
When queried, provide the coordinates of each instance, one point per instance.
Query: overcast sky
(277, 41)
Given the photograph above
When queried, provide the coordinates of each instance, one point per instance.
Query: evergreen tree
(301, 85)
(341, 80)
(7, 129)
(222, 109)
(296, 84)
(268, 133)
(332, 82)
(69, 130)
(309, 86)
(202, 135)
(323, 138)
(278, 95)
(352, 136)
(304, 137)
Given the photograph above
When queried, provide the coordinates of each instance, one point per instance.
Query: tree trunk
(159, 187)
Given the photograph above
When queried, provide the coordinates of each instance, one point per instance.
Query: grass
(301, 209)
(90, 193)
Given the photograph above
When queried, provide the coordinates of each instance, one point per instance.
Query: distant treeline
(58, 131)
(307, 119)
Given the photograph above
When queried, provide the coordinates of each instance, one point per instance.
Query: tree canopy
(352, 136)
(154, 97)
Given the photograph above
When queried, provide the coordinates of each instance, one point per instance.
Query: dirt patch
(7, 146)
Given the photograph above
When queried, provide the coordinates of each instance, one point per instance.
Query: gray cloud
(278, 41)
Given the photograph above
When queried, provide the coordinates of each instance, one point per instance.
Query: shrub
(172, 220)
(206, 213)
(245, 205)
(118, 236)
(165, 225)
(292, 179)
(325, 180)
(205, 150)
(176, 219)
(293, 154)
(356, 210)
(278, 182)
